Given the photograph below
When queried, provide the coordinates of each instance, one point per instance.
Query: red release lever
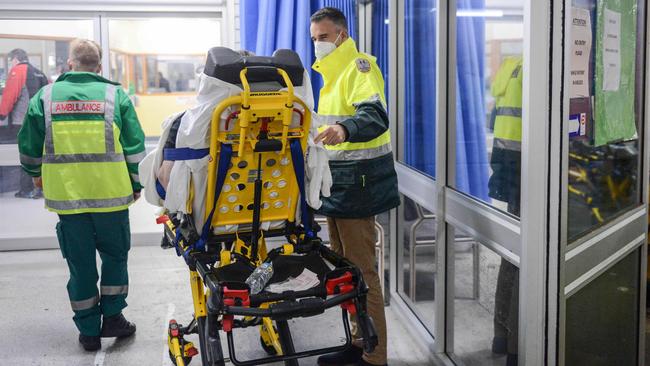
(229, 297)
(343, 283)
(162, 219)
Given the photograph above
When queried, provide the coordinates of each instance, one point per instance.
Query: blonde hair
(85, 55)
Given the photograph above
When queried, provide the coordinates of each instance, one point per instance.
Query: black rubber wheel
(186, 360)
(270, 350)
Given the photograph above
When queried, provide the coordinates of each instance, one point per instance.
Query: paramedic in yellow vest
(82, 142)
(504, 185)
(355, 132)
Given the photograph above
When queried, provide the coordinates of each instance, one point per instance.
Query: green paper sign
(614, 118)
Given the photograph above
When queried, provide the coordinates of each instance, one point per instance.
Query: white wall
(48, 28)
(165, 35)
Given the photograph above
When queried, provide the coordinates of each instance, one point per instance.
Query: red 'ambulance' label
(78, 106)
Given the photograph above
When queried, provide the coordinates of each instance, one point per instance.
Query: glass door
(43, 43)
(604, 218)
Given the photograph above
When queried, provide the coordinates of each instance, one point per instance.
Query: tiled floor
(36, 310)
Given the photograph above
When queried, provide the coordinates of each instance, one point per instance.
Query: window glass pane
(417, 274)
(45, 44)
(605, 111)
(486, 302)
(159, 67)
(488, 101)
(602, 318)
(419, 141)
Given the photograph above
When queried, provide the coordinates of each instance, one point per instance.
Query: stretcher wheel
(270, 350)
(186, 360)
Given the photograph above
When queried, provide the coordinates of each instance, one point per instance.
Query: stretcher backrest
(225, 64)
(254, 112)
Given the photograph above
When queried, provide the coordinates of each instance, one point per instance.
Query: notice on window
(611, 50)
(580, 52)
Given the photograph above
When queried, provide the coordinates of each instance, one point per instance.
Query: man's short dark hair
(335, 15)
(19, 54)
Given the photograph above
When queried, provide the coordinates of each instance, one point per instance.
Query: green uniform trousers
(80, 237)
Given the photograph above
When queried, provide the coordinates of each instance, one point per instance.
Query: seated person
(168, 183)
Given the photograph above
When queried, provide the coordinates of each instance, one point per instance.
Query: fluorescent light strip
(479, 13)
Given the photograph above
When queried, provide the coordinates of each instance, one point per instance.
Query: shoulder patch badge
(363, 65)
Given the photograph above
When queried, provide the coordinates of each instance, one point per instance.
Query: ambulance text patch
(78, 106)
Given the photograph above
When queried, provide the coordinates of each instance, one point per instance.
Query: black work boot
(90, 343)
(117, 326)
(349, 357)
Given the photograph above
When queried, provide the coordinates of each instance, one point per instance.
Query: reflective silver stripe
(28, 160)
(509, 111)
(374, 98)
(136, 158)
(82, 158)
(85, 304)
(115, 290)
(109, 114)
(507, 144)
(88, 203)
(326, 120)
(135, 177)
(47, 111)
(362, 154)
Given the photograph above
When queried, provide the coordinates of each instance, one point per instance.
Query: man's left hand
(333, 135)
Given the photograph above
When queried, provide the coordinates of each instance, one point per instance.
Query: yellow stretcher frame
(254, 106)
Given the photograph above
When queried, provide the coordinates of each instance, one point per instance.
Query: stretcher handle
(288, 108)
(245, 114)
(305, 309)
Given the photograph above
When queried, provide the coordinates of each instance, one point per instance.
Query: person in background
(352, 106)
(23, 82)
(81, 141)
(504, 185)
(163, 83)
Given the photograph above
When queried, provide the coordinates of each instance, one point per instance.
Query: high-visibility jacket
(83, 136)
(363, 173)
(506, 88)
(505, 182)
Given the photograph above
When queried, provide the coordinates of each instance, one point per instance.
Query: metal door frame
(573, 265)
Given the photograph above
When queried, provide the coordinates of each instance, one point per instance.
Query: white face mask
(322, 49)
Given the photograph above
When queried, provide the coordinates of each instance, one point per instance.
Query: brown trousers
(355, 239)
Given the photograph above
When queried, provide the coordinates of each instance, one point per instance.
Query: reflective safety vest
(506, 88)
(350, 78)
(83, 164)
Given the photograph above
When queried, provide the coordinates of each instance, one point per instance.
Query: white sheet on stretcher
(194, 133)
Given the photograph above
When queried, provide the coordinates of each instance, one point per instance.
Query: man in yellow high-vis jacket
(82, 142)
(504, 185)
(355, 131)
